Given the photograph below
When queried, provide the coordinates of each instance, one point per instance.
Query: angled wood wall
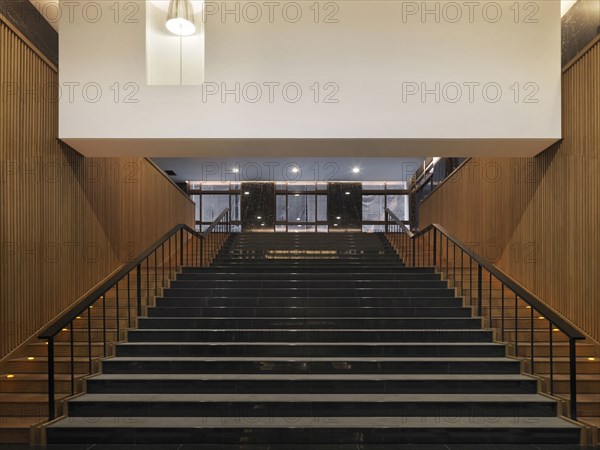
(66, 221)
(539, 219)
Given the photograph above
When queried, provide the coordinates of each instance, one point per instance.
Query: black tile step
(308, 323)
(311, 384)
(305, 262)
(307, 251)
(309, 292)
(275, 276)
(317, 311)
(319, 349)
(312, 405)
(308, 284)
(331, 430)
(309, 335)
(316, 268)
(310, 302)
(297, 365)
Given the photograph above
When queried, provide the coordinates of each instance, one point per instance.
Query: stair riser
(282, 267)
(311, 387)
(81, 335)
(63, 349)
(147, 349)
(524, 336)
(427, 433)
(311, 285)
(60, 367)
(316, 410)
(583, 368)
(583, 386)
(34, 387)
(291, 367)
(310, 302)
(316, 277)
(307, 323)
(232, 335)
(308, 312)
(15, 435)
(29, 409)
(299, 292)
(557, 351)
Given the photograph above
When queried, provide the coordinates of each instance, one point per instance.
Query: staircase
(310, 339)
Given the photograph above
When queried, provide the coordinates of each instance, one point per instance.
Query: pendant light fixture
(180, 18)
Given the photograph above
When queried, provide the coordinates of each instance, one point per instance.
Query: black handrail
(555, 320)
(198, 246)
(68, 316)
(215, 223)
(398, 222)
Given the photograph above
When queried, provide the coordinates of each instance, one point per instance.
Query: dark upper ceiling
(271, 169)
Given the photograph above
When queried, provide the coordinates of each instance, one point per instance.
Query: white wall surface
(368, 61)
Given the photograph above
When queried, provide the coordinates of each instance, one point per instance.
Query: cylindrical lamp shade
(180, 18)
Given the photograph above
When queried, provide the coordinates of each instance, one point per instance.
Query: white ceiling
(49, 8)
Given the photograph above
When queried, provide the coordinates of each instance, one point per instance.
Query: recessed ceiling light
(258, 217)
(347, 192)
(236, 170)
(30, 358)
(338, 217)
(246, 193)
(335, 224)
(295, 169)
(297, 218)
(296, 195)
(10, 375)
(299, 225)
(355, 170)
(262, 224)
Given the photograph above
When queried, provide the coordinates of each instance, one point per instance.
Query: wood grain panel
(67, 221)
(538, 219)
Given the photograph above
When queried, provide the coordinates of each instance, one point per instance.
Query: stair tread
(312, 377)
(307, 344)
(310, 422)
(20, 422)
(328, 359)
(42, 376)
(312, 330)
(280, 398)
(307, 318)
(583, 398)
(28, 397)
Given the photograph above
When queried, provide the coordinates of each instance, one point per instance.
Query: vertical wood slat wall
(539, 219)
(66, 221)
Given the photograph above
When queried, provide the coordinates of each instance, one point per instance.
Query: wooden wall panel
(66, 221)
(538, 219)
